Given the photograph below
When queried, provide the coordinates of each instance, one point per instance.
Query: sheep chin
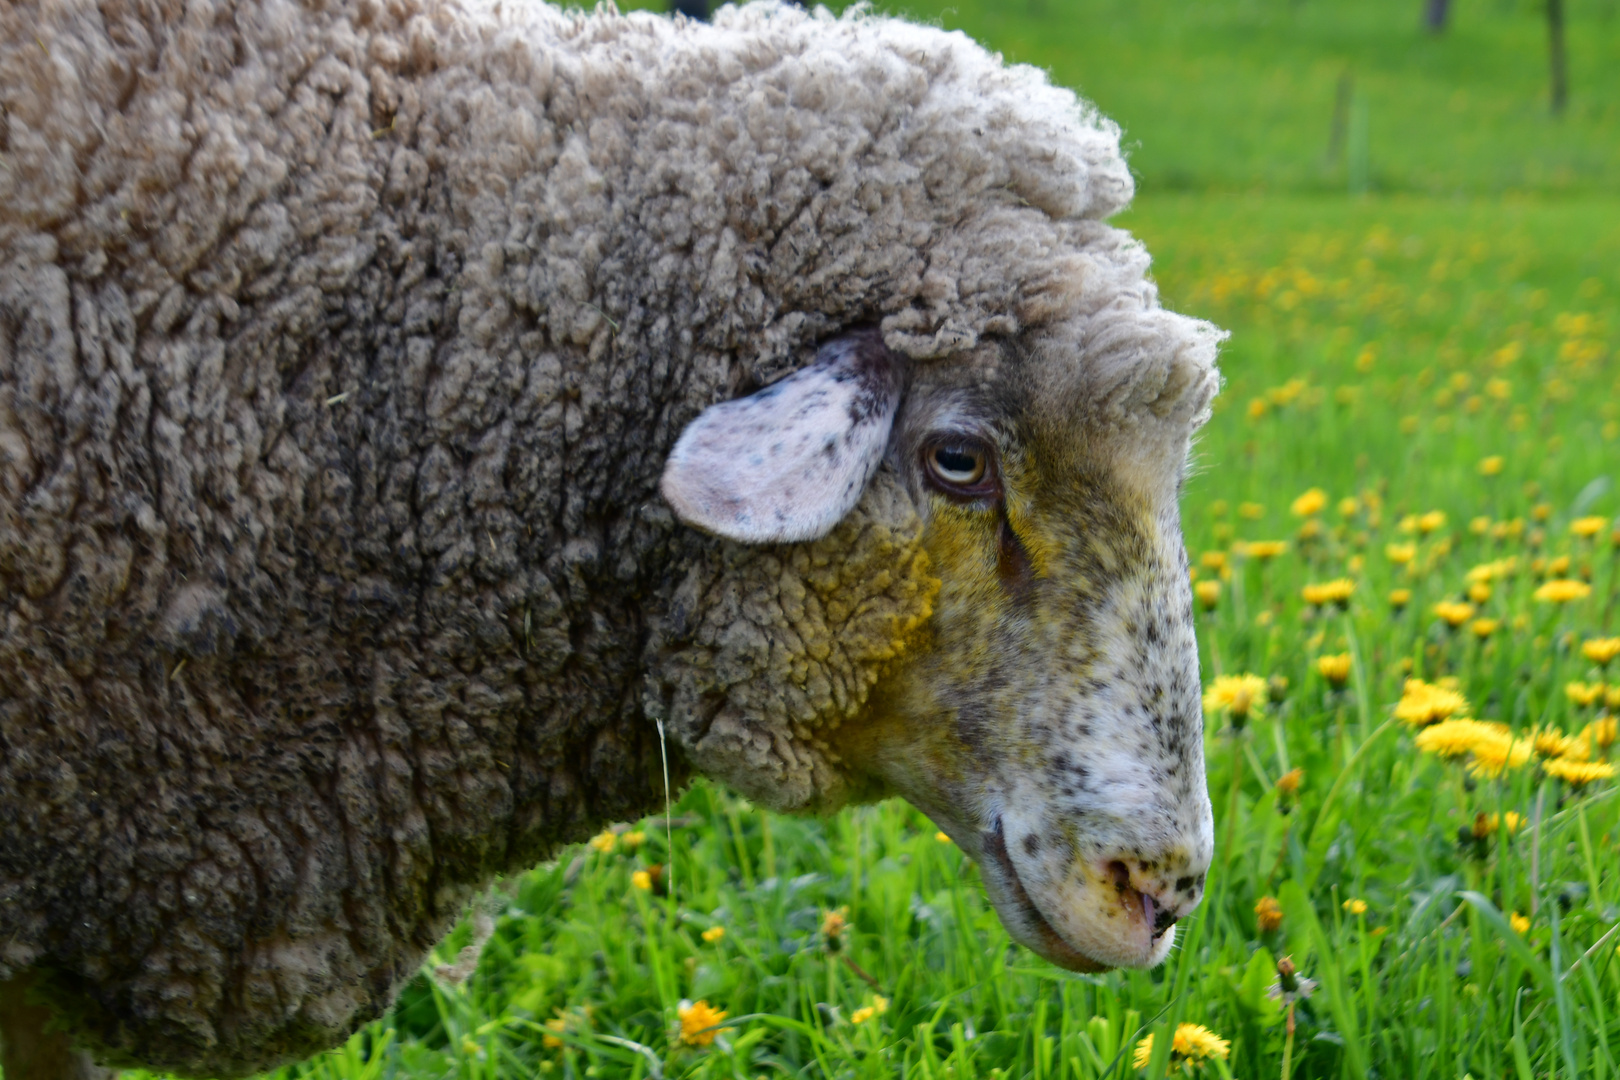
(1103, 927)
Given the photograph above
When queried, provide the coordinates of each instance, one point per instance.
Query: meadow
(1404, 515)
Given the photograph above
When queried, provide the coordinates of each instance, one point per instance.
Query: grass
(1383, 348)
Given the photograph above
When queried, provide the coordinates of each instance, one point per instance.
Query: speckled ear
(787, 463)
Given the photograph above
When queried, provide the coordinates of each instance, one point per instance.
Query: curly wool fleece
(341, 347)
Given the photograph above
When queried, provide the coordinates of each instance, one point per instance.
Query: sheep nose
(1168, 890)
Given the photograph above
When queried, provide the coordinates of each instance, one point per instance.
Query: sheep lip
(1046, 940)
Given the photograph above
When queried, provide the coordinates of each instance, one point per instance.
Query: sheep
(418, 419)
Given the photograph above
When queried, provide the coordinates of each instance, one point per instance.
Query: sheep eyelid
(986, 485)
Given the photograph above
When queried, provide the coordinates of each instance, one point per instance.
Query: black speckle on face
(1032, 844)
(1183, 884)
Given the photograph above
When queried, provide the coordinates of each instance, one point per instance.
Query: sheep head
(1039, 695)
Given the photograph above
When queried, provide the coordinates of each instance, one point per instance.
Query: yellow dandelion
(604, 841)
(1288, 783)
(1264, 549)
(1494, 754)
(862, 1014)
(1334, 668)
(1213, 560)
(1429, 522)
(1400, 554)
(1268, 914)
(698, 1021)
(633, 840)
(1584, 694)
(880, 1003)
(1453, 738)
(1251, 511)
(1192, 1046)
(1355, 906)
(1454, 613)
(1479, 592)
(1487, 824)
(1541, 512)
(555, 1027)
(1577, 773)
(1600, 733)
(1601, 651)
(1208, 593)
(1424, 703)
(714, 934)
(1484, 628)
(1336, 592)
(1563, 591)
(1236, 695)
(1552, 743)
(942, 838)
(833, 925)
(1399, 598)
(1479, 526)
(1558, 567)
(1587, 527)
(1520, 923)
(1309, 503)
(1349, 506)
(1491, 466)
(641, 880)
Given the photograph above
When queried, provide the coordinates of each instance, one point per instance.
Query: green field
(1436, 355)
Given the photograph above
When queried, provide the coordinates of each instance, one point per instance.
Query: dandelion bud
(1267, 914)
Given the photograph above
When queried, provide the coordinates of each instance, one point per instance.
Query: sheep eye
(960, 467)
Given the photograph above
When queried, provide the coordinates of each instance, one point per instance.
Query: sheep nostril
(1121, 874)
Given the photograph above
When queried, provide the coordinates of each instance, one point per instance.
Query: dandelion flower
(833, 925)
(1334, 668)
(1192, 1045)
(1400, 554)
(633, 840)
(1428, 523)
(1268, 914)
(1520, 924)
(1587, 527)
(1453, 738)
(1355, 906)
(1349, 506)
(698, 1020)
(1563, 591)
(1599, 732)
(1584, 694)
(555, 1027)
(1336, 592)
(1484, 628)
(1399, 598)
(1237, 696)
(1601, 650)
(1479, 592)
(942, 838)
(1454, 613)
(604, 841)
(1424, 703)
(1487, 824)
(1577, 773)
(1309, 503)
(641, 880)
(714, 934)
(1213, 560)
(1493, 755)
(1208, 593)
(1265, 549)
(1288, 783)
(1251, 511)
(862, 1014)
(1491, 466)
(1553, 743)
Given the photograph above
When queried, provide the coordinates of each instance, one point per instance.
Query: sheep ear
(787, 463)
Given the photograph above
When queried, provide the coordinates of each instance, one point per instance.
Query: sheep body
(341, 348)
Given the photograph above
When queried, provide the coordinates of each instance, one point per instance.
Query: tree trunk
(1555, 54)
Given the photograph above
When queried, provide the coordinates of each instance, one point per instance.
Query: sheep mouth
(1026, 923)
